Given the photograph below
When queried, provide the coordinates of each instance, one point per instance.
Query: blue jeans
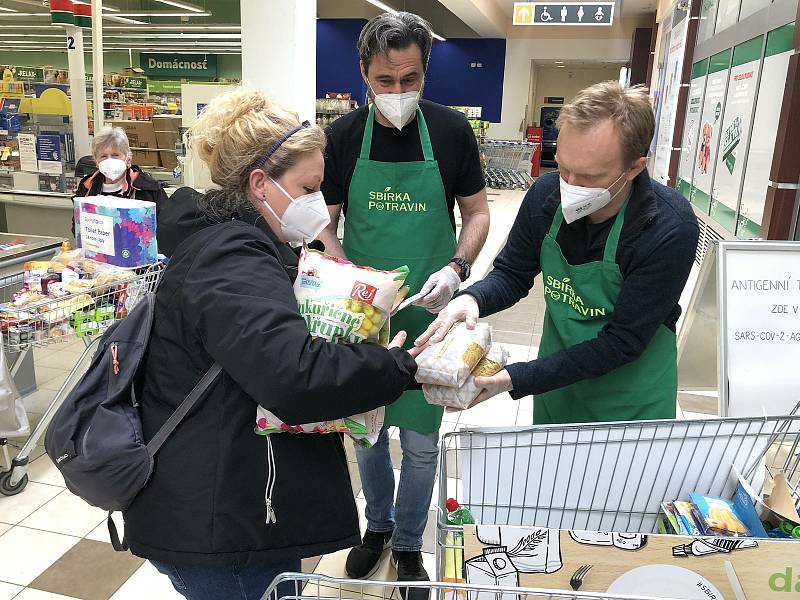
(212, 582)
(409, 514)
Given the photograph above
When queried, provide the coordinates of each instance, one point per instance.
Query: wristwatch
(465, 268)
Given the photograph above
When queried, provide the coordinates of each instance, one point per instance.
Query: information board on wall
(750, 7)
(735, 131)
(27, 152)
(709, 129)
(691, 129)
(765, 129)
(727, 14)
(708, 19)
(48, 154)
(668, 96)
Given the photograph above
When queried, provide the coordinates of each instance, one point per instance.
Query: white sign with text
(759, 288)
(97, 233)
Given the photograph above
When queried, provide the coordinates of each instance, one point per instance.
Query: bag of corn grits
(491, 364)
(342, 302)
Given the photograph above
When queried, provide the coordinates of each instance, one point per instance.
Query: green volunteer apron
(580, 301)
(397, 215)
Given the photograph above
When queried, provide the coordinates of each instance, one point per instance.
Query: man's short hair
(394, 31)
(628, 107)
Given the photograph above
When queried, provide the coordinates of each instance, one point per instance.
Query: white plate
(665, 581)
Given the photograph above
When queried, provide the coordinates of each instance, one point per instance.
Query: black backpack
(95, 438)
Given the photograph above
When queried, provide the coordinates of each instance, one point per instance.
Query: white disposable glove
(439, 289)
(464, 308)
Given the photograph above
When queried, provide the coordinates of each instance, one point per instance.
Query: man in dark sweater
(615, 249)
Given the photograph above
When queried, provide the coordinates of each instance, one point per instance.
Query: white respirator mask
(578, 201)
(305, 217)
(398, 109)
(112, 168)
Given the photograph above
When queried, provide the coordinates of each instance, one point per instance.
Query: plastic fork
(577, 577)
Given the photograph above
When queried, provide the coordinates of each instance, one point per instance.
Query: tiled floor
(54, 546)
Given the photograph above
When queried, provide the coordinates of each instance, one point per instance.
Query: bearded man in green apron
(615, 249)
(399, 166)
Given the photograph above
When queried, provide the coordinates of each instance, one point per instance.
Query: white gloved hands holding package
(439, 289)
(461, 309)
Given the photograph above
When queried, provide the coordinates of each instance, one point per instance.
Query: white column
(279, 47)
(77, 90)
(97, 62)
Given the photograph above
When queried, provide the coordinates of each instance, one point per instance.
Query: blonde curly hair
(233, 132)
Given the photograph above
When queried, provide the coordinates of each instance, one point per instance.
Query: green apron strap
(610, 253)
(558, 218)
(424, 136)
(366, 141)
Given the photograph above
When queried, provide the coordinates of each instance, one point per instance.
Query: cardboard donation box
(116, 231)
(141, 137)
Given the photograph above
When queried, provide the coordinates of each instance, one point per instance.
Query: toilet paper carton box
(117, 231)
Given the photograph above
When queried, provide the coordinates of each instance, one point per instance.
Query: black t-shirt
(454, 147)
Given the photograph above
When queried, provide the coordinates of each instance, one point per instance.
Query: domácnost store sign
(179, 65)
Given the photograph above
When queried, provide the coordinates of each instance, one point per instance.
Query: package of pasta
(450, 361)
(342, 302)
(491, 364)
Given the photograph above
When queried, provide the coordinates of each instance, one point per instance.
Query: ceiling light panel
(184, 5)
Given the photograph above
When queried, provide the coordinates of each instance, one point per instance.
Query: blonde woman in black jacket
(227, 296)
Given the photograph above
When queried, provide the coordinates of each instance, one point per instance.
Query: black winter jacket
(227, 296)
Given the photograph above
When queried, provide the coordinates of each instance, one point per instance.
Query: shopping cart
(608, 476)
(299, 586)
(508, 163)
(85, 314)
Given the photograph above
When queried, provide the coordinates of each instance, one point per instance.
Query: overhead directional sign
(564, 13)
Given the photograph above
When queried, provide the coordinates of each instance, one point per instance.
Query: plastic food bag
(13, 418)
(342, 302)
(491, 364)
(450, 361)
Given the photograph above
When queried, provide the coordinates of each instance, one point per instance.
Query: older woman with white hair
(115, 175)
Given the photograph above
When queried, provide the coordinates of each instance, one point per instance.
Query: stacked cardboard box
(141, 137)
(167, 129)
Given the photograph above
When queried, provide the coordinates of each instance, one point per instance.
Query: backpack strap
(163, 433)
(118, 545)
(180, 413)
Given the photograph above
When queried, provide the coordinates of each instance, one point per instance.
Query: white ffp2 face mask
(305, 217)
(398, 109)
(112, 168)
(578, 202)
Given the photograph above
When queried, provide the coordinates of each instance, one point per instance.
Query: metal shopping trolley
(508, 163)
(85, 314)
(299, 586)
(609, 477)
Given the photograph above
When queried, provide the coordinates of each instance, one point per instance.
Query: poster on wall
(48, 154)
(658, 90)
(691, 129)
(708, 19)
(727, 14)
(709, 129)
(750, 7)
(765, 128)
(735, 131)
(668, 101)
(27, 152)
